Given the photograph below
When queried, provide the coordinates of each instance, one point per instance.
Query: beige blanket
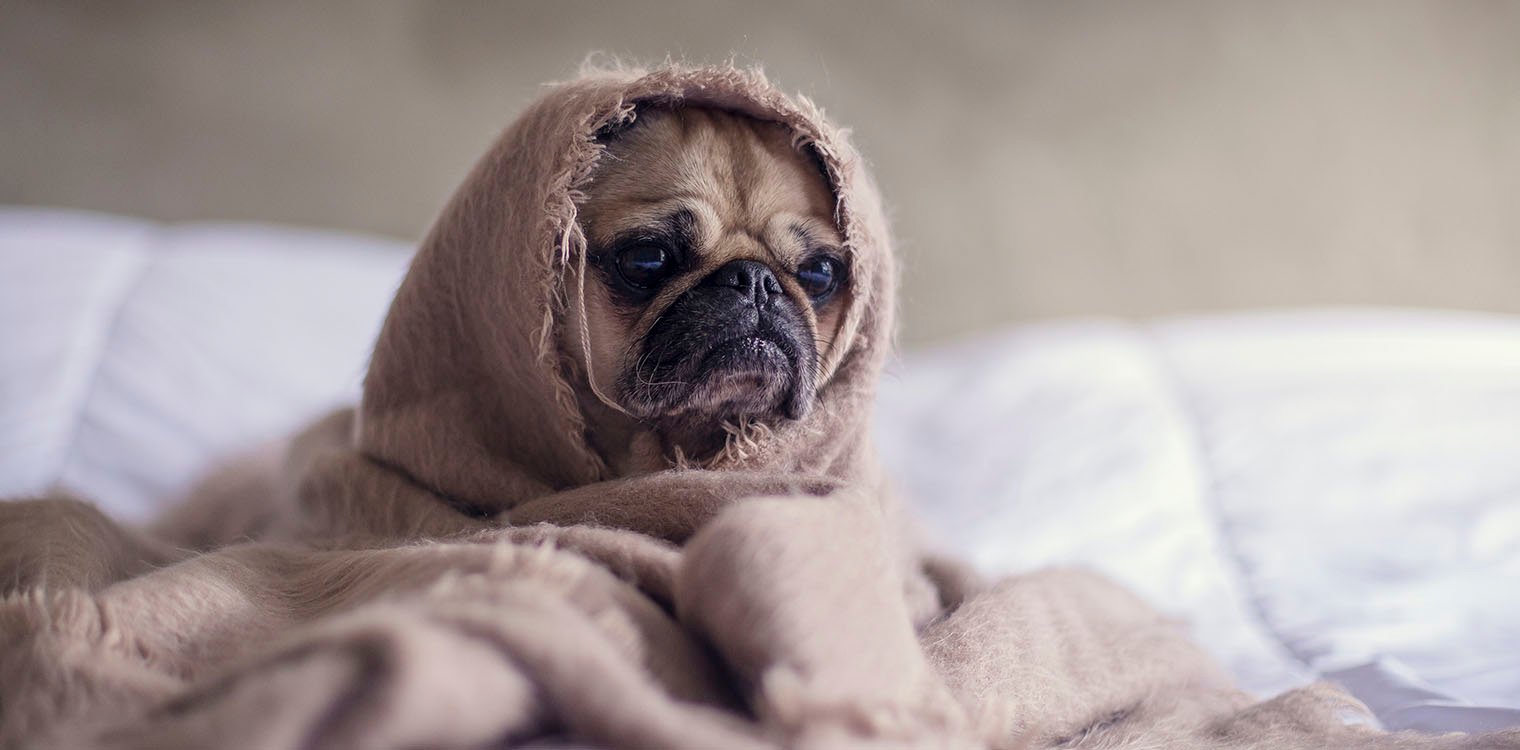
(454, 566)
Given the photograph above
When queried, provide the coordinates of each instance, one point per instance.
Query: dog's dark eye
(645, 265)
(820, 277)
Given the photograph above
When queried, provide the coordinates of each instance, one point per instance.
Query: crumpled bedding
(1318, 492)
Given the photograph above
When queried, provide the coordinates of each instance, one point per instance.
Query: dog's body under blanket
(453, 566)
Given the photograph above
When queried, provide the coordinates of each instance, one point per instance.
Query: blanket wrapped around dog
(454, 566)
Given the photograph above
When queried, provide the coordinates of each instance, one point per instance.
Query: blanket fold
(454, 564)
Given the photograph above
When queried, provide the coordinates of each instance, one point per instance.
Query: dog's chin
(744, 377)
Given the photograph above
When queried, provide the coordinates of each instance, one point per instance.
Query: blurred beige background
(1040, 159)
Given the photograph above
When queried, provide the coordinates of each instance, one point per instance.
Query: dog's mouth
(751, 353)
(758, 370)
(746, 374)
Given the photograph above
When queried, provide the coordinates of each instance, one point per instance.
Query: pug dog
(714, 272)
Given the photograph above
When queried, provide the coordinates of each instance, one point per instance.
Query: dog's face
(716, 272)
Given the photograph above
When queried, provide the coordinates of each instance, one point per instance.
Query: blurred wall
(1040, 158)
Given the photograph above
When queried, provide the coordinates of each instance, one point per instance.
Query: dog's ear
(620, 124)
(815, 158)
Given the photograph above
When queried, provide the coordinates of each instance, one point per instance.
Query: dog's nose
(753, 279)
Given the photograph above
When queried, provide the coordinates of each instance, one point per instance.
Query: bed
(1327, 493)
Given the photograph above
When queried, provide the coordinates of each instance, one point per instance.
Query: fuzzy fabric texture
(453, 565)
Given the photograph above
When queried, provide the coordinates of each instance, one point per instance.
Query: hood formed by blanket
(469, 390)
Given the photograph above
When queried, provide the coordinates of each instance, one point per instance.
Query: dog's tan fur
(752, 192)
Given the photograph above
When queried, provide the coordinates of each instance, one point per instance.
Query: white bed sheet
(1320, 493)
(1330, 493)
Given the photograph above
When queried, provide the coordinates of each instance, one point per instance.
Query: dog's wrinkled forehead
(643, 115)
